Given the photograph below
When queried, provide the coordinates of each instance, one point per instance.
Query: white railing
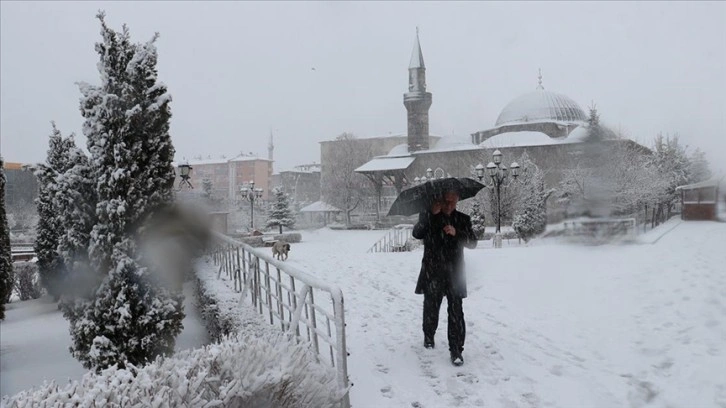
(601, 229)
(398, 239)
(287, 296)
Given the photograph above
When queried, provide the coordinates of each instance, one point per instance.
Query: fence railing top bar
(306, 278)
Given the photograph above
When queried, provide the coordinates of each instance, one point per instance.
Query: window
(707, 195)
(690, 196)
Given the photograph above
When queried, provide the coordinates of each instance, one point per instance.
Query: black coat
(442, 266)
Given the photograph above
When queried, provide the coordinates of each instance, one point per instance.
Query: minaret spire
(270, 147)
(417, 60)
(539, 86)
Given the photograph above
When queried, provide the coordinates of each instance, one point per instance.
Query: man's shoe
(457, 359)
(428, 343)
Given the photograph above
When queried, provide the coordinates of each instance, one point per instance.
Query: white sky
(238, 69)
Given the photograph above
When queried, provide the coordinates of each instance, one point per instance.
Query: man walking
(445, 232)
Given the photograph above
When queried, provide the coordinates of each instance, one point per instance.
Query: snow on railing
(287, 296)
(398, 239)
(601, 229)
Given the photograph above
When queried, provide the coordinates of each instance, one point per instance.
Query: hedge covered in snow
(219, 305)
(243, 370)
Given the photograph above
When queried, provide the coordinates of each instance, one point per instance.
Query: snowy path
(34, 343)
(547, 325)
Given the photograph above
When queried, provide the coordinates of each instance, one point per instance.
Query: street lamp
(251, 194)
(185, 171)
(498, 174)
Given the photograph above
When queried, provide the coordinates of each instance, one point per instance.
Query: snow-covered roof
(450, 144)
(530, 138)
(712, 182)
(399, 150)
(248, 158)
(195, 162)
(218, 160)
(579, 134)
(320, 206)
(381, 163)
(517, 139)
(541, 106)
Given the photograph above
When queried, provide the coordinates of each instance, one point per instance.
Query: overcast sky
(236, 70)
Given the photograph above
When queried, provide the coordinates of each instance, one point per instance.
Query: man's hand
(436, 208)
(449, 229)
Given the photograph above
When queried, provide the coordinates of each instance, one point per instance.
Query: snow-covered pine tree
(280, 214)
(478, 221)
(50, 264)
(129, 318)
(699, 167)
(76, 200)
(595, 132)
(207, 189)
(530, 218)
(7, 278)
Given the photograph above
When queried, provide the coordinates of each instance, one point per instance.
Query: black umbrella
(420, 197)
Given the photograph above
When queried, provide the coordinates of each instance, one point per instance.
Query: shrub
(27, 280)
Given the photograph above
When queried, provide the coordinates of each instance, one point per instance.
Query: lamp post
(251, 194)
(498, 174)
(185, 171)
(430, 175)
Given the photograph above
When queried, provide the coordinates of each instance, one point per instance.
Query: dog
(280, 250)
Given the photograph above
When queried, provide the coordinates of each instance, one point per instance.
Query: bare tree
(341, 186)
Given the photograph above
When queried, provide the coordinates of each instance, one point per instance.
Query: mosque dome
(540, 106)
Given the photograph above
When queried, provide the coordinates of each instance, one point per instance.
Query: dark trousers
(457, 327)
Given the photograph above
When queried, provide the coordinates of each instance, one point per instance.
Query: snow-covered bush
(246, 370)
(530, 216)
(478, 220)
(27, 280)
(291, 237)
(218, 306)
(6, 263)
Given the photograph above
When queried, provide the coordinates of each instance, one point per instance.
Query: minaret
(270, 147)
(417, 101)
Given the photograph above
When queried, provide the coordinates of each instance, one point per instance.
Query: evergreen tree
(7, 277)
(595, 132)
(281, 214)
(530, 218)
(478, 221)
(129, 318)
(50, 264)
(76, 201)
(208, 195)
(207, 189)
(699, 168)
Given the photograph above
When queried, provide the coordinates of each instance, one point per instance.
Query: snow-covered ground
(34, 341)
(547, 324)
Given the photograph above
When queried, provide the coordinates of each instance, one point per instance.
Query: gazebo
(321, 207)
(699, 201)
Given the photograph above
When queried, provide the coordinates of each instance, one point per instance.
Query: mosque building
(550, 127)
